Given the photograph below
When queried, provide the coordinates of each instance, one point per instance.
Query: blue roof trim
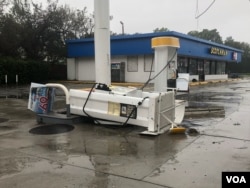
(139, 44)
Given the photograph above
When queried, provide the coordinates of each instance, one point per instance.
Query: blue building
(202, 59)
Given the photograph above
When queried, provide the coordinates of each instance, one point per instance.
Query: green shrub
(27, 71)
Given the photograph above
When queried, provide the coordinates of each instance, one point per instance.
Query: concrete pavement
(105, 156)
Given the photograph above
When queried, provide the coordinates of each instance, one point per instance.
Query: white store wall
(140, 75)
(84, 69)
(71, 70)
(80, 69)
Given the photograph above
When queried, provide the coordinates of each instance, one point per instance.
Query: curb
(212, 82)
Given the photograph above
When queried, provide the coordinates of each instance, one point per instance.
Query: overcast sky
(229, 17)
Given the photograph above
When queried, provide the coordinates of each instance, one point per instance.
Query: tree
(82, 24)
(9, 37)
(62, 23)
(163, 29)
(211, 35)
(230, 42)
(3, 3)
(244, 66)
(30, 31)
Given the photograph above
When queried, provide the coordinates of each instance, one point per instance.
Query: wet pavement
(88, 155)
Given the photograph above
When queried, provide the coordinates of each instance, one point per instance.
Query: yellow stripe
(165, 41)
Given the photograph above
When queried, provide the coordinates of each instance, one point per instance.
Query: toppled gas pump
(157, 111)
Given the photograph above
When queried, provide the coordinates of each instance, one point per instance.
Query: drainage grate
(52, 129)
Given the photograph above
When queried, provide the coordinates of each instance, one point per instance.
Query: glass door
(201, 72)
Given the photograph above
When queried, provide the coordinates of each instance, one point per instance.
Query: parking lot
(95, 156)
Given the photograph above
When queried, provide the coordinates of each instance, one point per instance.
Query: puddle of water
(2, 120)
(52, 129)
(204, 111)
(210, 104)
(213, 96)
(6, 128)
(240, 88)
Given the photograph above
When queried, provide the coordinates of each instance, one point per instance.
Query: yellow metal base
(177, 130)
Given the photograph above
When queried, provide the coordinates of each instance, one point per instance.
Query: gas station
(132, 58)
(60, 153)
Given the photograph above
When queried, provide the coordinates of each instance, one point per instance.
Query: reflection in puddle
(118, 152)
(110, 147)
(6, 128)
(206, 108)
(123, 154)
(2, 120)
(52, 129)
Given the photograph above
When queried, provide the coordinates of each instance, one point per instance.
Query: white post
(17, 85)
(102, 42)
(16, 78)
(161, 56)
(6, 85)
(162, 46)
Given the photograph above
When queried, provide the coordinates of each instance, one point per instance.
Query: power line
(197, 13)
(197, 9)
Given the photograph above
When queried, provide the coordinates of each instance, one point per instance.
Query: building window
(207, 67)
(223, 67)
(213, 67)
(132, 64)
(220, 68)
(193, 67)
(148, 63)
(200, 63)
(182, 65)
